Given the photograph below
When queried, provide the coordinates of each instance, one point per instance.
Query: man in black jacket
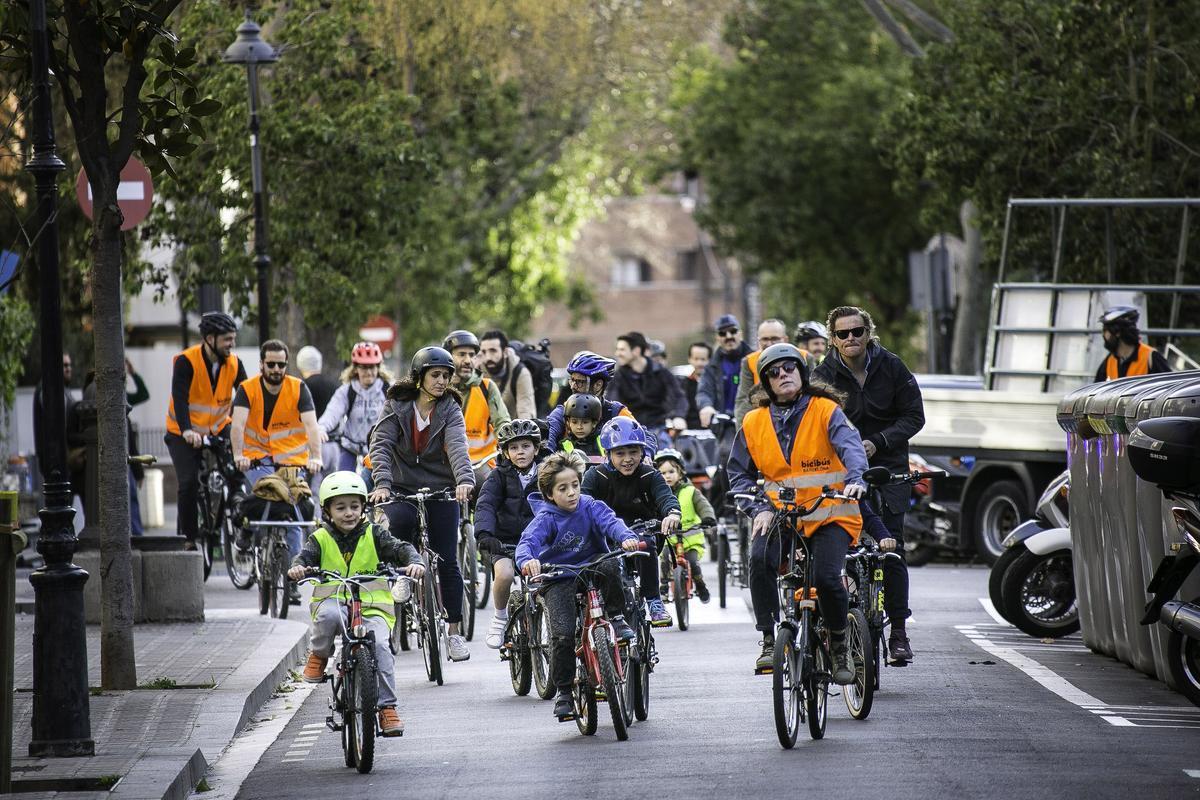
(647, 388)
(884, 403)
(719, 384)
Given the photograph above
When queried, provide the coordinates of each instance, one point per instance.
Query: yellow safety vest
(690, 519)
(376, 595)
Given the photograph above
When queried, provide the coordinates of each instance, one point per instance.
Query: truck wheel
(999, 509)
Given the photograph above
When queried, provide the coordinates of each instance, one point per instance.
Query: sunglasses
(857, 333)
(728, 333)
(275, 364)
(786, 368)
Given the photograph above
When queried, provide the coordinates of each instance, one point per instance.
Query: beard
(273, 379)
(493, 367)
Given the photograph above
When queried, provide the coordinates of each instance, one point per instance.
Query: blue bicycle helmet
(592, 365)
(625, 432)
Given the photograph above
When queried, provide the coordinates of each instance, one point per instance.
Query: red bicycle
(601, 659)
(680, 589)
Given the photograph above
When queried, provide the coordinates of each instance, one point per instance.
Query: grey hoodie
(443, 463)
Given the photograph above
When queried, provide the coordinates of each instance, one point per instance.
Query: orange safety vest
(286, 441)
(208, 409)
(1140, 365)
(752, 361)
(481, 436)
(813, 465)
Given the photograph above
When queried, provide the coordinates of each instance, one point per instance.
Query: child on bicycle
(503, 511)
(697, 513)
(635, 491)
(350, 545)
(582, 413)
(569, 529)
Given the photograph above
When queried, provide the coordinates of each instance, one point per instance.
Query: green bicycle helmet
(340, 484)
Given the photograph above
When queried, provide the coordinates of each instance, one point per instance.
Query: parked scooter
(1166, 452)
(1032, 584)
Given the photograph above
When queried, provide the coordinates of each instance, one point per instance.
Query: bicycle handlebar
(282, 524)
(880, 476)
(318, 575)
(421, 496)
(558, 570)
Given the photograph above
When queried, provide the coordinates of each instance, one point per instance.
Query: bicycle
(731, 524)
(477, 580)
(866, 621)
(642, 655)
(424, 612)
(600, 668)
(526, 644)
(220, 489)
(801, 671)
(681, 583)
(271, 561)
(356, 675)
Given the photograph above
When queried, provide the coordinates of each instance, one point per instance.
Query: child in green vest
(697, 515)
(582, 414)
(351, 545)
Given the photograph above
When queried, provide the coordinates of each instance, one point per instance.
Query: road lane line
(1120, 722)
(1192, 773)
(986, 602)
(1043, 675)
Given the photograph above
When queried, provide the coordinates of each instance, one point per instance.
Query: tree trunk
(971, 320)
(118, 669)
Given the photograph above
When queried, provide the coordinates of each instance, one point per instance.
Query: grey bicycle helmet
(774, 355)
(811, 330)
(460, 338)
(512, 430)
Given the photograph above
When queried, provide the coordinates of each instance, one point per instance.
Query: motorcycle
(929, 525)
(1165, 452)
(1032, 584)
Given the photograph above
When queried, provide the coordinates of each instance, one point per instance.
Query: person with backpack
(509, 373)
(356, 406)
(482, 405)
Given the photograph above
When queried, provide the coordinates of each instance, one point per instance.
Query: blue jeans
(135, 507)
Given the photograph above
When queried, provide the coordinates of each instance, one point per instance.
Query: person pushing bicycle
(350, 545)
(798, 437)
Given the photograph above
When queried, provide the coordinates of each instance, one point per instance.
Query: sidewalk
(160, 741)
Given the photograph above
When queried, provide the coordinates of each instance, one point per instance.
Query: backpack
(536, 359)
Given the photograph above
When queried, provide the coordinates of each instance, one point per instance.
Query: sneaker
(843, 665)
(495, 634)
(564, 706)
(659, 617)
(458, 648)
(622, 630)
(390, 723)
(899, 651)
(293, 594)
(314, 668)
(766, 659)
(702, 593)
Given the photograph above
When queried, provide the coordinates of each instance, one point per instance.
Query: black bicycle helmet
(456, 339)
(583, 406)
(1120, 315)
(512, 430)
(215, 323)
(426, 359)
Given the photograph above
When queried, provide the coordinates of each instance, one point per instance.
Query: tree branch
(894, 28)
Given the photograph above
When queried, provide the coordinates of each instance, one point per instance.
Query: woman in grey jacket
(420, 442)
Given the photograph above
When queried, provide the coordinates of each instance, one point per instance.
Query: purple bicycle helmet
(625, 432)
(592, 365)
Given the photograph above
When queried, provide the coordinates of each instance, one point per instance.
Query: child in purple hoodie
(570, 529)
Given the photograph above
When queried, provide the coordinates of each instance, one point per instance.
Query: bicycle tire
(431, 644)
(629, 668)
(204, 525)
(520, 666)
(641, 704)
(400, 638)
(468, 566)
(279, 583)
(239, 564)
(722, 567)
(540, 649)
(365, 700)
(861, 694)
(816, 694)
(613, 689)
(679, 587)
(583, 695)
(467, 626)
(261, 575)
(343, 691)
(786, 691)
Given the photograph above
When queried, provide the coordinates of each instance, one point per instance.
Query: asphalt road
(964, 720)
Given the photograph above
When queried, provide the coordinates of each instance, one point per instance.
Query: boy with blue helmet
(635, 491)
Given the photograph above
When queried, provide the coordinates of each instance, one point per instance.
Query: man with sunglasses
(719, 382)
(770, 331)
(884, 403)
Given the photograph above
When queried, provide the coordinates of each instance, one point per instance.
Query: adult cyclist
(482, 403)
(356, 406)
(203, 380)
(587, 373)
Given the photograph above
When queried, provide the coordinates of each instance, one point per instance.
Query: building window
(689, 265)
(631, 271)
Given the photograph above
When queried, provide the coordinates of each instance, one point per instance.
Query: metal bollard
(12, 541)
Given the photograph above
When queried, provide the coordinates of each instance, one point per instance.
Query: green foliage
(16, 329)
(784, 137)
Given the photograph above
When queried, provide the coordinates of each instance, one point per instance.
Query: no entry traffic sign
(135, 193)
(381, 331)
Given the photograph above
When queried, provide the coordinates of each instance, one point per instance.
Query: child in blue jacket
(570, 529)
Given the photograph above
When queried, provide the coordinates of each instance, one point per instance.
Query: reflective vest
(1140, 365)
(285, 442)
(481, 436)
(690, 519)
(208, 409)
(813, 464)
(376, 595)
(567, 446)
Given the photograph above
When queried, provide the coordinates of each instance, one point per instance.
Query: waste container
(150, 497)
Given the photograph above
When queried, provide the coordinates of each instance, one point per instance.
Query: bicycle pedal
(333, 726)
(764, 670)
(567, 718)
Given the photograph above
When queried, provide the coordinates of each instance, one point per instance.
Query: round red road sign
(380, 330)
(135, 193)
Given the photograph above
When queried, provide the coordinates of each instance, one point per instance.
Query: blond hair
(556, 463)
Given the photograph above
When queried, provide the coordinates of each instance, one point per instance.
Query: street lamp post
(250, 49)
(61, 713)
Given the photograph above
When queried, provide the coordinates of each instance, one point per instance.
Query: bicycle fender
(1047, 542)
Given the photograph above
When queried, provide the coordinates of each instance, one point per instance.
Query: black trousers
(560, 600)
(187, 472)
(442, 517)
(895, 571)
(827, 548)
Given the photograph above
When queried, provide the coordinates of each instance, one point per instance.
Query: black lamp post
(61, 713)
(250, 49)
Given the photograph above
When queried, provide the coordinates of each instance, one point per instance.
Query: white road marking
(986, 602)
(1192, 773)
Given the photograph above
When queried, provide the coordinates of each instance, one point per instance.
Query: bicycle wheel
(722, 567)
(539, 649)
(400, 640)
(520, 668)
(468, 565)
(204, 526)
(629, 666)
(860, 694)
(430, 638)
(816, 688)
(343, 692)
(641, 697)
(468, 613)
(279, 582)
(262, 575)
(786, 689)
(583, 695)
(239, 563)
(679, 588)
(613, 687)
(365, 701)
